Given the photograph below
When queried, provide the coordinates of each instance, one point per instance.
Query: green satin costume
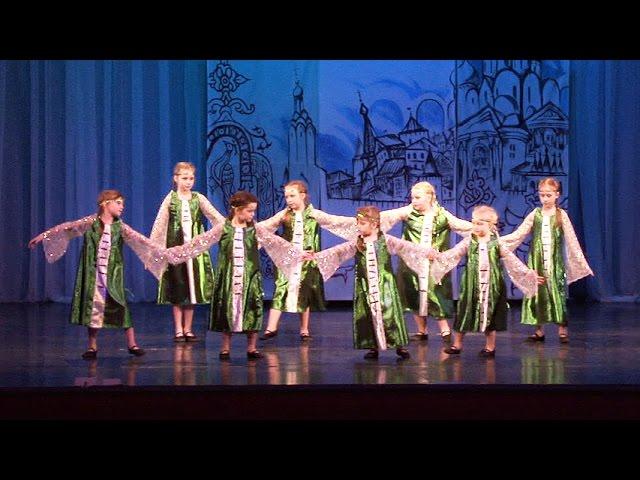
(550, 304)
(469, 315)
(440, 297)
(393, 319)
(311, 292)
(173, 287)
(116, 312)
(221, 318)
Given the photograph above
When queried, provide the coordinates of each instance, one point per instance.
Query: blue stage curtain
(605, 176)
(69, 129)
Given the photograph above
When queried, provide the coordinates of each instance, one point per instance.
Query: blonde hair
(487, 214)
(302, 188)
(106, 196)
(426, 187)
(182, 166)
(371, 214)
(557, 186)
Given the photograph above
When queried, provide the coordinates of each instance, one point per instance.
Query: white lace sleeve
(285, 255)
(522, 276)
(575, 263)
(272, 224)
(330, 259)
(152, 255)
(209, 211)
(459, 226)
(160, 225)
(449, 259)
(199, 244)
(389, 218)
(515, 238)
(413, 254)
(343, 227)
(56, 240)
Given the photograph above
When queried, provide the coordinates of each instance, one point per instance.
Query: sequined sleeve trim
(159, 230)
(576, 264)
(330, 259)
(515, 238)
(209, 211)
(459, 226)
(343, 227)
(388, 218)
(285, 255)
(55, 241)
(449, 259)
(522, 276)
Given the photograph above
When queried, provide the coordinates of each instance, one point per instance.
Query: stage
(42, 375)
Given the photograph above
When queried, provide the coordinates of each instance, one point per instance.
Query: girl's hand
(308, 255)
(36, 240)
(432, 254)
(541, 280)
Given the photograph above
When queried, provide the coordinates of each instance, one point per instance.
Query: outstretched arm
(330, 259)
(272, 224)
(56, 240)
(459, 226)
(343, 227)
(388, 218)
(449, 259)
(415, 256)
(522, 276)
(209, 211)
(152, 255)
(515, 238)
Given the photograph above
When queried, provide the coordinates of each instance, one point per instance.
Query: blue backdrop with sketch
(363, 132)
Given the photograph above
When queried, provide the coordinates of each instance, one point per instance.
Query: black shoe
(224, 355)
(90, 354)
(452, 350)
(137, 351)
(487, 353)
(403, 353)
(564, 338)
(268, 334)
(535, 338)
(305, 337)
(446, 337)
(421, 337)
(371, 355)
(254, 354)
(190, 337)
(179, 337)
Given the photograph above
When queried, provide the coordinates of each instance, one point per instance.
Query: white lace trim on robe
(187, 226)
(547, 245)
(101, 291)
(56, 240)
(344, 227)
(423, 275)
(484, 281)
(373, 294)
(293, 289)
(237, 280)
